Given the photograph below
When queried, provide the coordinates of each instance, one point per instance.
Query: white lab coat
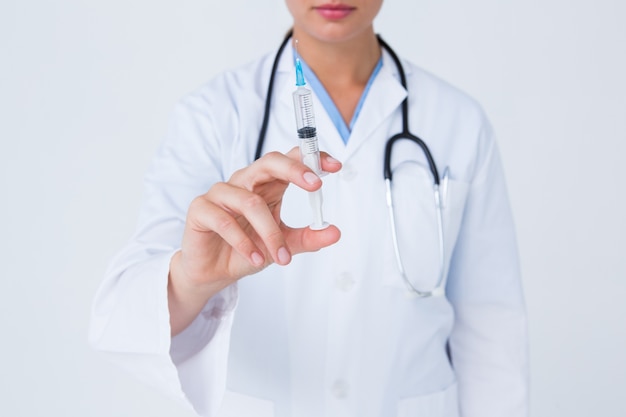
(335, 333)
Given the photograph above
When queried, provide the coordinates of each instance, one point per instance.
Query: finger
(257, 213)
(276, 166)
(329, 164)
(307, 240)
(205, 216)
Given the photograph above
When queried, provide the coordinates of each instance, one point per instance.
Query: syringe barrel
(303, 106)
(309, 150)
(307, 132)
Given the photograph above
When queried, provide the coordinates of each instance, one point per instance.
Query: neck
(347, 62)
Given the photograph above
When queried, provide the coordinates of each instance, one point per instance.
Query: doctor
(227, 301)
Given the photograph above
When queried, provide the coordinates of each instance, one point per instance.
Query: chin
(333, 32)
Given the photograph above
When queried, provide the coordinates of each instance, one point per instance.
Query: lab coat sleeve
(488, 344)
(130, 316)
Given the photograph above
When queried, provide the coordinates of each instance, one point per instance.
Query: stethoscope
(439, 186)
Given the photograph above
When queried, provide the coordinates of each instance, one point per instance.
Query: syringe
(309, 150)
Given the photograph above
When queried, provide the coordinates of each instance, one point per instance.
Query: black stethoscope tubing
(404, 134)
(268, 98)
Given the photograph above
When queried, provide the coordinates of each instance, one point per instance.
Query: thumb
(306, 240)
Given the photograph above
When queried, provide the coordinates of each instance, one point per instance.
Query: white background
(85, 92)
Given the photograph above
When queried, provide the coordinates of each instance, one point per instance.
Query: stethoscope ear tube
(268, 98)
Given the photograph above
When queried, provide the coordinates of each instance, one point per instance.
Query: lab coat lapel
(282, 125)
(385, 96)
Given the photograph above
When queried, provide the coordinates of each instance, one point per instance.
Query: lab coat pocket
(439, 404)
(417, 227)
(235, 404)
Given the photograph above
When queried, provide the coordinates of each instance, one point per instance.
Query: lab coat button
(344, 282)
(348, 172)
(339, 389)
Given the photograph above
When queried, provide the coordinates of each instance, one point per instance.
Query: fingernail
(311, 178)
(332, 160)
(257, 259)
(283, 256)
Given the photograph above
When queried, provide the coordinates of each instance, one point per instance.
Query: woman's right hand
(235, 230)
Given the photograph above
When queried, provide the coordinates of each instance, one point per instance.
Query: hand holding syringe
(307, 133)
(227, 238)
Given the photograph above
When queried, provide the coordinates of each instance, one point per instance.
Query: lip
(334, 11)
